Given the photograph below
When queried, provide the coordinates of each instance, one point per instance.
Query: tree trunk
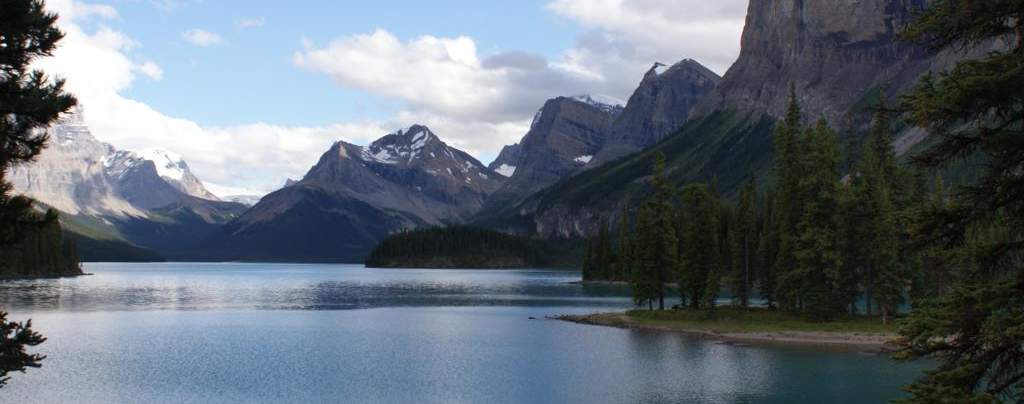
(661, 302)
(867, 290)
(746, 270)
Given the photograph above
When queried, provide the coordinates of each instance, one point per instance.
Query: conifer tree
(624, 256)
(789, 167)
(974, 331)
(604, 253)
(29, 101)
(744, 240)
(767, 251)
(699, 246)
(817, 247)
(643, 279)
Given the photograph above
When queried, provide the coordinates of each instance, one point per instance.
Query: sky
(251, 92)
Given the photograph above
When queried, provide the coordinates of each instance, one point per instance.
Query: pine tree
(974, 331)
(623, 255)
(604, 253)
(767, 251)
(744, 240)
(643, 279)
(28, 102)
(789, 167)
(699, 246)
(817, 247)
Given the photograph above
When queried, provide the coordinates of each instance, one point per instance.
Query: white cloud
(98, 66)
(152, 70)
(442, 76)
(201, 37)
(250, 22)
(637, 32)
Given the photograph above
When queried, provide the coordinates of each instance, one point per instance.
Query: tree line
(44, 250)
(818, 243)
(459, 247)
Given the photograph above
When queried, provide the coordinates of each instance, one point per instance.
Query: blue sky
(252, 92)
(251, 78)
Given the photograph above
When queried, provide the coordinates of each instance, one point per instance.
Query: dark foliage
(463, 247)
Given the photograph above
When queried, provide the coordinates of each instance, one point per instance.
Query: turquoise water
(182, 333)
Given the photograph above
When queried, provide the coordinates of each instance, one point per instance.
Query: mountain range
(120, 204)
(581, 160)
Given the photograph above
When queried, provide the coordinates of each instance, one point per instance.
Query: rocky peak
(660, 105)
(565, 135)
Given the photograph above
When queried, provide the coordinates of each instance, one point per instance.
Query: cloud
(630, 32)
(442, 76)
(99, 66)
(201, 37)
(151, 69)
(250, 22)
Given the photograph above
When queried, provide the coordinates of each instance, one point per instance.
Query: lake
(190, 332)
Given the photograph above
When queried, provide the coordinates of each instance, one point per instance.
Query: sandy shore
(859, 341)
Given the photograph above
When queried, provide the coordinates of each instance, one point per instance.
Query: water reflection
(271, 287)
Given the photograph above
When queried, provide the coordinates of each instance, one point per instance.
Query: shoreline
(865, 342)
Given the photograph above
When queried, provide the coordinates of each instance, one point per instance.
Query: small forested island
(463, 247)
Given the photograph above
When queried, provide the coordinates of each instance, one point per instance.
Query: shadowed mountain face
(355, 196)
(565, 135)
(659, 106)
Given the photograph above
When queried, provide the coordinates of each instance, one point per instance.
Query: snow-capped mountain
(356, 195)
(136, 195)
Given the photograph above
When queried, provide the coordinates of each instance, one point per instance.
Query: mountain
(565, 135)
(119, 204)
(506, 162)
(660, 105)
(355, 196)
(840, 56)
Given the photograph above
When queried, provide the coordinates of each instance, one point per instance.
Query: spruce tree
(745, 242)
(767, 251)
(699, 246)
(817, 247)
(604, 253)
(974, 331)
(789, 168)
(623, 255)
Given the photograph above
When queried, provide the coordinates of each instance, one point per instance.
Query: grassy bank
(733, 323)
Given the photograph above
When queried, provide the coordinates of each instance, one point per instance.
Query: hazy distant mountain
(355, 196)
(148, 199)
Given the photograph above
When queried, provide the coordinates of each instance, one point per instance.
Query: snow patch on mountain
(505, 170)
(603, 102)
(583, 159)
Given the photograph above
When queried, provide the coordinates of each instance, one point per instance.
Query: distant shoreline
(870, 342)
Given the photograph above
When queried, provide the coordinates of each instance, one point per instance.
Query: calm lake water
(182, 333)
